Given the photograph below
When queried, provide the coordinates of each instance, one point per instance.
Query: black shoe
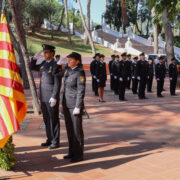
(141, 98)
(164, 90)
(46, 144)
(96, 95)
(53, 146)
(69, 156)
(74, 160)
(122, 99)
(160, 96)
(145, 97)
(149, 91)
(173, 94)
(134, 92)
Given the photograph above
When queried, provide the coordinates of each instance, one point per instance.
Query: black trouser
(160, 84)
(51, 121)
(149, 83)
(134, 85)
(128, 84)
(116, 86)
(142, 87)
(74, 132)
(95, 86)
(112, 82)
(122, 88)
(173, 83)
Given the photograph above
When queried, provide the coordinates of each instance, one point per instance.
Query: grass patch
(63, 47)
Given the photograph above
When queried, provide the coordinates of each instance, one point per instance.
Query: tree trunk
(86, 29)
(67, 20)
(168, 36)
(26, 58)
(18, 8)
(155, 32)
(86, 40)
(61, 20)
(124, 13)
(106, 3)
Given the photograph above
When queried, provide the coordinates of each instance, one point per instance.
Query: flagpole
(3, 5)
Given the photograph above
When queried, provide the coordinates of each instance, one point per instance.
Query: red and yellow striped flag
(12, 99)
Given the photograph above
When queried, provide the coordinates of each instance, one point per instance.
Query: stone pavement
(133, 140)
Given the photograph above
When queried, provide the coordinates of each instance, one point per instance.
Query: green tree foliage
(7, 158)
(113, 15)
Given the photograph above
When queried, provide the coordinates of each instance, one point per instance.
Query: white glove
(37, 55)
(170, 79)
(94, 77)
(115, 77)
(52, 102)
(139, 78)
(111, 74)
(128, 78)
(98, 80)
(61, 61)
(121, 79)
(76, 111)
(158, 79)
(133, 77)
(148, 77)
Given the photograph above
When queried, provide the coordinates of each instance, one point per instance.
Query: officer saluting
(49, 90)
(73, 93)
(173, 74)
(142, 73)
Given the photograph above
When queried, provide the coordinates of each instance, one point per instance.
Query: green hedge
(7, 158)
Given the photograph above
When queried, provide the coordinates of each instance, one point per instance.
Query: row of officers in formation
(139, 71)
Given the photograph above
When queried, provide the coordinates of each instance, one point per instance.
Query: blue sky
(97, 8)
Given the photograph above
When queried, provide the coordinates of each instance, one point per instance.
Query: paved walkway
(133, 140)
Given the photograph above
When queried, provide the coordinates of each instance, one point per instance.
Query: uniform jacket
(115, 68)
(93, 67)
(124, 69)
(142, 69)
(73, 89)
(150, 69)
(134, 69)
(173, 73)
(110, 67)
(101, 71)
(50, 79)
(160, 70)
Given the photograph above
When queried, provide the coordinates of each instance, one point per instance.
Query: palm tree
(67, 20)
(86, 29)
(36, 106)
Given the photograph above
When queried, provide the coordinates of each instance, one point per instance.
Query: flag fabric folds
(12, 99)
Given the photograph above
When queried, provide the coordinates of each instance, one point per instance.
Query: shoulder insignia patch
(82, 79)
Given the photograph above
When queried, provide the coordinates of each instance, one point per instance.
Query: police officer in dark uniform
(73, 93)
(173, 74)
(124, 76)
(150, 75)
(130, 63)
(93, 67)
(142, 73)
(160, 71)
(49, 92)
(101, 76)
(115, 69)
(111, 71)
(134, 75)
